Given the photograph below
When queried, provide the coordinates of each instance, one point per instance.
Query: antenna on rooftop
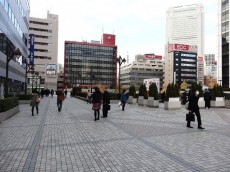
(127, 57)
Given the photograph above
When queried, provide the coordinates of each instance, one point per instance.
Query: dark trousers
(198, 118)
(123, 105)
(59, 105)
(105, 110)
(97, 114)
(207, 103)
(33, 109)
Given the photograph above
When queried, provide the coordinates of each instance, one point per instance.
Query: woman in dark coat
(194, 108)
(34, 102)
(96, 101)
(106, 103)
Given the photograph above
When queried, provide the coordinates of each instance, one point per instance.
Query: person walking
(207, 98)
(52, 93)
(60, 99)
(66, 93)
(193, 107)
(35, 100)
(123, 99)
(106, 103)
(96, 100)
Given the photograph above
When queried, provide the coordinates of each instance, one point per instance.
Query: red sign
(108, 39)
(182, 47)
(153, 56)
(200, 59)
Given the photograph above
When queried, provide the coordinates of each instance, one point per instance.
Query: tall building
(223, 63)
(14, 32)
(45, 52)
(185, 25)
(180, 64)
(209, 59)
(144, 67)
(88, 64)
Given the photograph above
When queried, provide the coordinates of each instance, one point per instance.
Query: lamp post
(91, 75)
(15, 52)
(120, 61)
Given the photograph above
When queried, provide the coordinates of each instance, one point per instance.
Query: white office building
(45, 52)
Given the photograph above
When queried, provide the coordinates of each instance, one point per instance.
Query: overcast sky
(139, 25)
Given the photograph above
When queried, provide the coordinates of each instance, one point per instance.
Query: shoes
(32, 114)
(201, 128)
(189, 127)
(98, 119)
(95, 119)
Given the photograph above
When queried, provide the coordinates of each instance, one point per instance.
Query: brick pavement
(137, 140)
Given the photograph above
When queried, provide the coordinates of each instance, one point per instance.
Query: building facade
(210, 69)
(140, 69)
(180, 64)
(45, 52)
(88, 64)
(223, 63)
(14, 32)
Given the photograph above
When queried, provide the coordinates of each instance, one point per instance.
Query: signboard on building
(182, 47)
(153, 56)
(51, 70)
(149, 81)
(31, 55)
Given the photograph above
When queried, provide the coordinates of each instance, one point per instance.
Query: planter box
(201, 102)
(8, 114)
(24, 102)
(141, 101)
(173, 103)
(152, 103)
(219, 102)
(132, 100)
(227, 104)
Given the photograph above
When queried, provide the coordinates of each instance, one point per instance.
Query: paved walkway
(136, 140)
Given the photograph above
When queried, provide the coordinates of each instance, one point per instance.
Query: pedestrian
(193, 107)
(123, 99)
(106, 103)
(35, 100)
(207, 98)
(60, 99)
(96, 100)
(65, 93)
(88, 96)
(52, 93)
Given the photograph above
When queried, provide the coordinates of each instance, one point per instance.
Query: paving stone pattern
(140, 139)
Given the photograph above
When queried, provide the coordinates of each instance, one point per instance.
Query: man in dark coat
(194, 108)
(207, 98)
(106, 104)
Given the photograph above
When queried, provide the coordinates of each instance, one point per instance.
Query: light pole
(91, 75)
(15, 52)
(120, 61)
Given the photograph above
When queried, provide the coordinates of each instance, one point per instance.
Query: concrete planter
(173, 103)
(152, 103)
(132, 100)
(218, 103)
(8, 114)
(201, 102)
(141, 101)
(227, 104)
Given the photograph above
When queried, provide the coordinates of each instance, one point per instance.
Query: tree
(201, 92)
(155, 91)
(151, 90)
(132, 90)
(142, 90)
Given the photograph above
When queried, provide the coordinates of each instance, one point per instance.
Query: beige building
(45, 52)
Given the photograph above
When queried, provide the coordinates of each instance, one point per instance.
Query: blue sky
(139, 25)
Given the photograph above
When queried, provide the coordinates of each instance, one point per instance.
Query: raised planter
(8, 114)
(152, 103)
(141, 101)
(24, 102)
(227, 104)
(201, 102)
(132, 100)
(173, 103)
(218, 103)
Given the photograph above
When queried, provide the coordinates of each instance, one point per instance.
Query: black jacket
(193, 103)
(106, 98)
(96, 97)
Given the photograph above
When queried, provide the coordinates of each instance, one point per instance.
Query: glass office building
(89, 64)
(14, 32)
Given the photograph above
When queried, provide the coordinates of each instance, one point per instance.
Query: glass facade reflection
(225, 42)
(89, 64)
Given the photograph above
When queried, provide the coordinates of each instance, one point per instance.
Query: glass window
(2, 2)
(10, 12)
(6, 6)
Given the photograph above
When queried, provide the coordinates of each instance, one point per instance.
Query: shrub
(151, 90)
(172, 91)
(24, 97)
(142, 91)
(132, 90)
(155, 91)
(8, 103)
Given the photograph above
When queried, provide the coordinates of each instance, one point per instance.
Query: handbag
(37, 100)
(108, 107)
(96, 106)
(190, 117)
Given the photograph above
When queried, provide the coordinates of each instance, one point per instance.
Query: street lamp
(120, 61)
(15, 52)
(91, 75)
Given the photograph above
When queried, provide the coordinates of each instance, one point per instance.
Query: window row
(74, 46)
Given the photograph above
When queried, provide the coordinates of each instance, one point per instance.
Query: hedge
(24, 97)
(8, 103)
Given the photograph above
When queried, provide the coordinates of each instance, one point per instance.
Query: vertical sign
(31, 56)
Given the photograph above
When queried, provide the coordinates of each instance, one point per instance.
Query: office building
(14, 32)
(180, 64)
(88, 64)
(210, 68)
(45, 52)
(146, 66)
(223, 63)
(210, 59)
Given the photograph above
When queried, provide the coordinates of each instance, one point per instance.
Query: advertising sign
(182, 47)
(31, 55)
(153, 56)
(149, 81)
(51, 70)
